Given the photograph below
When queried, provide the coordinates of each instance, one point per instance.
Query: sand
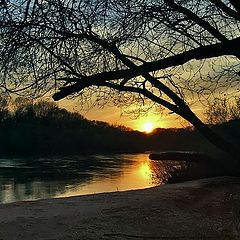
(201, 209)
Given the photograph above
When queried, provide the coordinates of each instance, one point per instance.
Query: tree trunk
(212, 136)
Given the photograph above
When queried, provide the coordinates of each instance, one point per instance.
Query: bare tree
(132, 51)
(223, 110)
(4, 112)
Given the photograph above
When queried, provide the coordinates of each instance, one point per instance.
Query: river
(24, 179)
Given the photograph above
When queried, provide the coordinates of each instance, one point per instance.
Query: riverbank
(200, 209)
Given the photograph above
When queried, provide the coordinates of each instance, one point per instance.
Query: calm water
(39, 178)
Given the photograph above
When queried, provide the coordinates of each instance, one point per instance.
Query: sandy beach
(200, 209)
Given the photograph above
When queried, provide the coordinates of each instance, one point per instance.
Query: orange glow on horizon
(113, 115)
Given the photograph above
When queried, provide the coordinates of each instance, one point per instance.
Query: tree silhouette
(131, 51)
(4, 112)
(222, 111)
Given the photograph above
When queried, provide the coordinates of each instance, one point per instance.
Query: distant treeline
(42, 128)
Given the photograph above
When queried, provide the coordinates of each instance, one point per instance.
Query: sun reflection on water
(145, 171)
(137, 174)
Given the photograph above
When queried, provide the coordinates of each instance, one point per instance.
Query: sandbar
(199, 209)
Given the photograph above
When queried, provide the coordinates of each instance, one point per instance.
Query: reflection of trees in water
(169, 171)
(164, 171)
(47, 177)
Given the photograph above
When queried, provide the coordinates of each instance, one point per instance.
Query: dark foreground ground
(201, 209)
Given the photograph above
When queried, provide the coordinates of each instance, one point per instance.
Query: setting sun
(148, 127)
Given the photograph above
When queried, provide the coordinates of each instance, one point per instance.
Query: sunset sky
(114, 115)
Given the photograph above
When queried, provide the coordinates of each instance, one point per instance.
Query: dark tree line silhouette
(42, 128)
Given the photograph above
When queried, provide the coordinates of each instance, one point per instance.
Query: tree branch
(147, 94)
(202, 23)
(236, 4)
(219, 49)
(226, 9)
(65, 91)
(56, 56)
(232, 47)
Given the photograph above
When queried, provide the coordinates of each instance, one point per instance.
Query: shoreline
(199, 209)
